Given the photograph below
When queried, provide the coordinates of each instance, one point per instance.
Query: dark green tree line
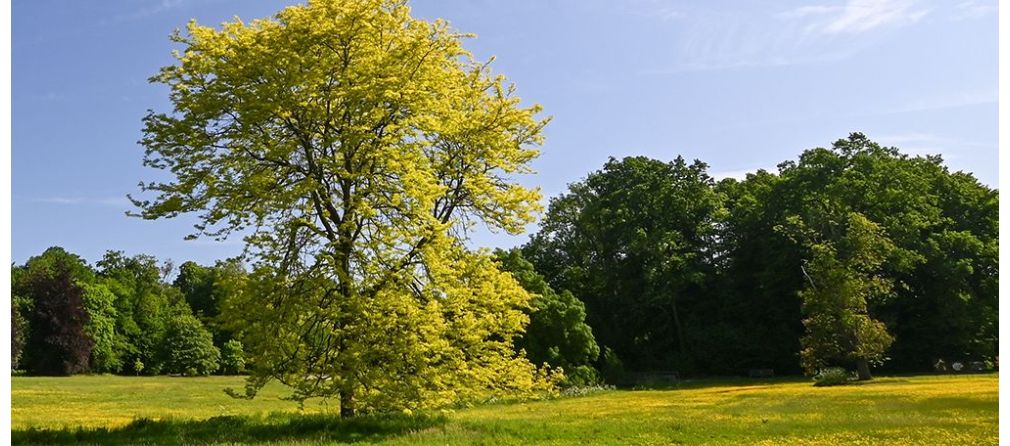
(680, 272)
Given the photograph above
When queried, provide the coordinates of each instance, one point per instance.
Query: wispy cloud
(948, 101)
(654, 9)
(100, 201)
(918, 143)
(762, 37)
(974, 9)
(153, 8)
(856, 16)
(668, 13)
(771, 61)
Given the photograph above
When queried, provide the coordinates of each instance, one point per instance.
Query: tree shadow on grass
(317, 428)
(718, 382)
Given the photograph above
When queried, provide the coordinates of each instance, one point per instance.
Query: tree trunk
(346, 403)
(680, 331)
(863, 369)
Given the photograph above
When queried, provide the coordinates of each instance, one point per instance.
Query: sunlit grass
(921, 410)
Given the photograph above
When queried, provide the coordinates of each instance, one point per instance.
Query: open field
(922, 410)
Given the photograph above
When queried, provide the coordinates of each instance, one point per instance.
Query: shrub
(188, 348)
(232, 358)
(612, 368)
(832, 376)
(585, 390)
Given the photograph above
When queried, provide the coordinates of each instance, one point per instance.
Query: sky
(740, 85)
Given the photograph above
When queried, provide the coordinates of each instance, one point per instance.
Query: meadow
(914, 410)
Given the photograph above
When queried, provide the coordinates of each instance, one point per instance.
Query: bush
(586, 390)
(188, 348)
(232, 358)
(580, 376)
(832, 376)
(612, 368)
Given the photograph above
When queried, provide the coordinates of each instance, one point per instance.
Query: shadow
(318, 428)
(716, 382)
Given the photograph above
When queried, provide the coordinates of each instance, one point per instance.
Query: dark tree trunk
(681, 345)
(863, 369)
(346, 403)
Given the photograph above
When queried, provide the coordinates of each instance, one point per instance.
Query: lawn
(921, 410)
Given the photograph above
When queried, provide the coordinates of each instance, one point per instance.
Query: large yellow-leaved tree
(353, 146)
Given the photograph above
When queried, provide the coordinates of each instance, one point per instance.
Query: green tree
(19, 328)
(943, 226)
(557, 333)
(634, 242)
(187, 347)
(101, 328)
(944, 229)
(356, 144)
(205, 289)
(232, 358)
(754, 313)
(196, 283)
(844, 276)
(143, 304)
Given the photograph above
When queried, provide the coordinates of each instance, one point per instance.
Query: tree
(187, 347)
(101, 328)
(943, 268)
(757, 320)
(843, 279)
(557, 334)
(356, 144)
(943, 226)
(143, 304)
(57, 343)
(232, 358)
(634, 242)
(205, 289)
(196, 283)
(19, 328)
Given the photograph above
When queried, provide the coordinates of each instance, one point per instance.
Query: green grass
(922, 410)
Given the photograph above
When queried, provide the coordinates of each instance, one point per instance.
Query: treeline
(857, 253)
(123, 316)
(120, 316)
(852, 256)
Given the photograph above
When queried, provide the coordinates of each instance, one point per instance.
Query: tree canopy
(355, 145)
(633, 241)
(678, 271)
(557, 334)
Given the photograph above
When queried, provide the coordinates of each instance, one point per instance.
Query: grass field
(922, 410)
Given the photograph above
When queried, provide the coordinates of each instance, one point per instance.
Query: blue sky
(738, 84)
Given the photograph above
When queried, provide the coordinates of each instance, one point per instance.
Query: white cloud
(917, 143)
(857, 16)
(663, 10)
(667, 13)
(150, 10)
(106, 201)
(974, 9)
(807, 11)
(948, 101)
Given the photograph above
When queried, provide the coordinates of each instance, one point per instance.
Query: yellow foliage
(358, 144)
